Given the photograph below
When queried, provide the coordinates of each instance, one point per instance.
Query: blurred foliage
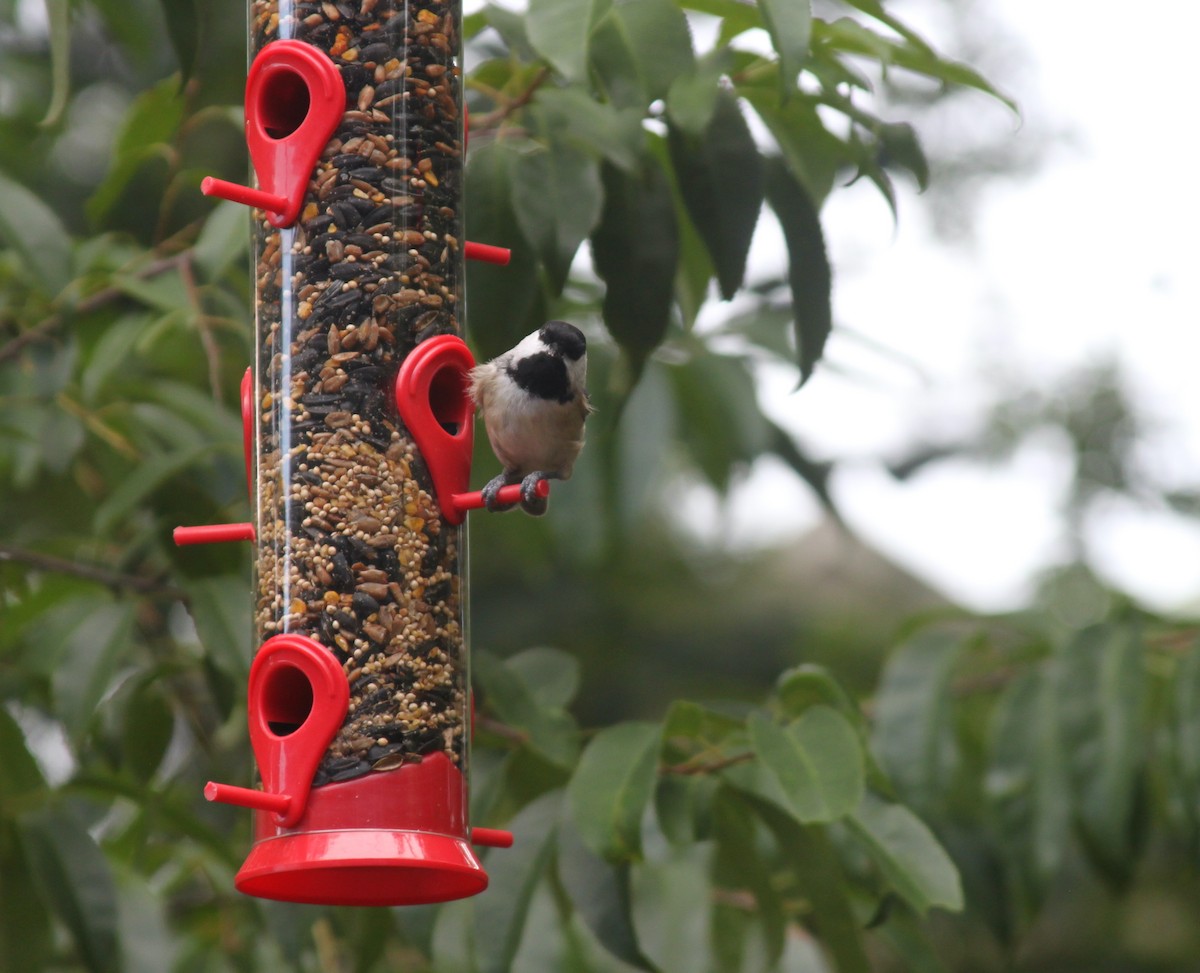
(807, 821)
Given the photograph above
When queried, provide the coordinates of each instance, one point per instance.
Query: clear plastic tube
(352, 549)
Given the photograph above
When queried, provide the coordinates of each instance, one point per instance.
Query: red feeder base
(393, 838)
(362, 868)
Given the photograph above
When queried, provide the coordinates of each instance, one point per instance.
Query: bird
(534, 403)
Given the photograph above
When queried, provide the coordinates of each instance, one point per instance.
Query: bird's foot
(491, 493)
(532, 502)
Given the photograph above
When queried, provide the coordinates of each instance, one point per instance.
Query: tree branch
(203, 324)
(90, 572)
(497, 117)
(106, 295)
(488, 725)
(688, 767)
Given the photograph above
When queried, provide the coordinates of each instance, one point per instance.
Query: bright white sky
(1095, 254)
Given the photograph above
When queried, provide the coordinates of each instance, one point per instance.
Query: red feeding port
(213, 533)
(248, 429)
(434, 402)
(294, 101)
(487, 253)
(297, 700)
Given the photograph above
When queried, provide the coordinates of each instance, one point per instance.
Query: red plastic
(247, 797)
(297, 700)
(491, 838)
(509, 494)
(213, 533)
(248, 429)
(294, 102)
(433, 399)
(487, 253)
(394, 837)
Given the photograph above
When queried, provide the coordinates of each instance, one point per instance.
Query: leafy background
(728, 762)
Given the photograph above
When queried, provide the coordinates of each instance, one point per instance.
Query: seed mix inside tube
(352, 548)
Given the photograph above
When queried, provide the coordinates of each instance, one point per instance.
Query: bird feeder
(359, 431)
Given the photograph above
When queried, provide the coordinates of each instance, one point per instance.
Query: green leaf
(505, 301)
(153, 118)
(163, 292)
(899, 146)
(61, 437)
(614, 133)
(636, 249)
(183, 27)
(692, 736)
(513, 875)
(692, 728)
(147, 945)
(813, 153)
(149, 128)
(695, 270)
(808, 265)
(146, 734)
(913, 737)
(89, 661)
(672, 907)
(599, 891)
(611, 787)
(683, 806)
(819, 877)
(850, 35)
(558, 198)
(34, 233)
(913, 945)
(223, 240)
(25, 925)
(789, 22)
(19, 773)
(111, 355)
(692, 97)
(74, 880)
(220, 609)
(723, 427)
(876, 9)
(1185, 736)
(639, 48)
(550, 731)
(909, 856)
(1101, 683)
(559, 31)
(58, 13)
(1026, 782)
(736, 16)
(143, 480)
(745, 860)
(721, 180)
(807, 685)
(511, 26)
(817, 762)
(551, 675)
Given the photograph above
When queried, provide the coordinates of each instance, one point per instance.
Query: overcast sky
(1095, 255)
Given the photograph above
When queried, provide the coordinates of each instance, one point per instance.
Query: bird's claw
(491, 493)
(531, 502)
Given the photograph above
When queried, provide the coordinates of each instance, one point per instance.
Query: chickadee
(534, 404)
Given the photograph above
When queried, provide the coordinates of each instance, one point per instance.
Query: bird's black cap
(543, 376)
(564, 338)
